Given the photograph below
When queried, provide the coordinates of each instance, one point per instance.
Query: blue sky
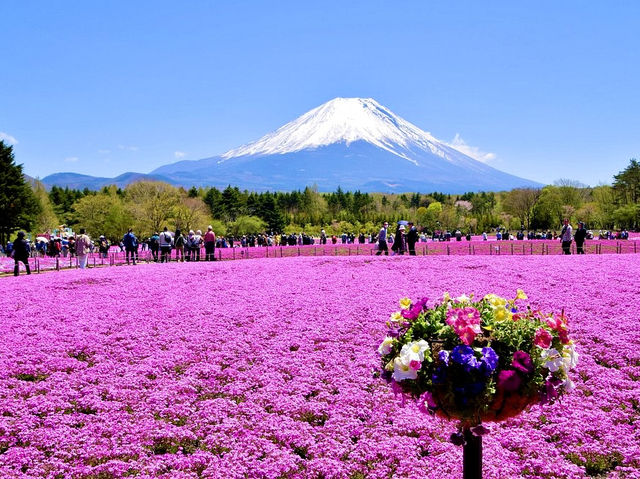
(545, 90)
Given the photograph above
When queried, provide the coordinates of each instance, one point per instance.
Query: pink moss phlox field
(268, 369)
(471, 248)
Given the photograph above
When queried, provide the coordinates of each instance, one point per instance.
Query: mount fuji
(354, 143)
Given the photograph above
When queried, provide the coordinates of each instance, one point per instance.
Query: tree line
(149, 206)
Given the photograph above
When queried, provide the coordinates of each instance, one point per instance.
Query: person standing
(21, 251)
(399, 242)
(179, 245)
(566, 237)
(210, 244)
(579, 237)
(154, 245)
(130, 243)
(412, 238)
(103, 247)
(166, 240)
(382, 240)
(83, 246)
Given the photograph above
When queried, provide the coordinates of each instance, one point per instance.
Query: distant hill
(78, 181)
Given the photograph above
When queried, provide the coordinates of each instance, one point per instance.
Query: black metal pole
(472, 456)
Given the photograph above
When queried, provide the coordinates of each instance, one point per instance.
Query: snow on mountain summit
(344, 120)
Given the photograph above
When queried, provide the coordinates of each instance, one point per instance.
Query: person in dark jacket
(579, 237)
(399, 242)
(412, 239)
(21, 250)
(130, 243)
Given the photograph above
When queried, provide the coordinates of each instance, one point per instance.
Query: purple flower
(522, 362)
(444, 356)
(413, 312)
(489, 360)
(509, 380)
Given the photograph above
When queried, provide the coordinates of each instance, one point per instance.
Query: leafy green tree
(520, 202)
(626, 185)
(152, 205)
(103, 214)
(246, 225)
(213, 200)
(46, 219)
(19, 206)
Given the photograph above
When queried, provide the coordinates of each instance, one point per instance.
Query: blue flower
(489, 360)
(444, 356)
(465, 356)
(440, 375)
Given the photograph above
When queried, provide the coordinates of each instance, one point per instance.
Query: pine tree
(18, 205)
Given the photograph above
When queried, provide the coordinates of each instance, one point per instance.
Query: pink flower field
(269, 369)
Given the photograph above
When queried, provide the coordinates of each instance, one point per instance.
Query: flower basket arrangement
(477, 361)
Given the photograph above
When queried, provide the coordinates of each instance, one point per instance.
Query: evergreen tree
(18, 204)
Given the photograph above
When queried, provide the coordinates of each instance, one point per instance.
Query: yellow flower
(495, 300)
(396, 317)
(520, 295)
(502, 314)
(405, 303)
(446, 297)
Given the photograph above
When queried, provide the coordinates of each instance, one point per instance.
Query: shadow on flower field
(269, 369)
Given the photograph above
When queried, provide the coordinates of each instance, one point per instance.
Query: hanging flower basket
(477, 361)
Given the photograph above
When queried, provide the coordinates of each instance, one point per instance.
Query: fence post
(448, 251)
(499, 249)
(57, 263)
(298, 250)
(531, 248)
(511, 249)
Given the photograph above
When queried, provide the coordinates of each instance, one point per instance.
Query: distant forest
(149, 206)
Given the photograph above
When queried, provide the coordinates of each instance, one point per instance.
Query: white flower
(402, 370)
(396, 317)
(569, 357)
(554, 360)
(463, 299)
(385, 346)
(414, 351)
(569, 385)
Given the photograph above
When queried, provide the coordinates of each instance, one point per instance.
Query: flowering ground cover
(269, 369)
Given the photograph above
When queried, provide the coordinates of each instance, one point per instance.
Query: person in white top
(566, 236)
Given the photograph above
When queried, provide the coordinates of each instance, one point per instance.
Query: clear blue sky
(551, 88)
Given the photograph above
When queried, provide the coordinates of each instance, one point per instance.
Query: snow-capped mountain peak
(343, 120)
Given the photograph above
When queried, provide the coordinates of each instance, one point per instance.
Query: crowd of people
(196, 246)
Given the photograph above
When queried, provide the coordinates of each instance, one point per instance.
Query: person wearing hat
(103, 246)
(412, 238)
(382, 240)
(579, 237)
(399, 240)
(21, 251)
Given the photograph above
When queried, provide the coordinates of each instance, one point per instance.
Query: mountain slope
(354, 143)
(350, 142)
